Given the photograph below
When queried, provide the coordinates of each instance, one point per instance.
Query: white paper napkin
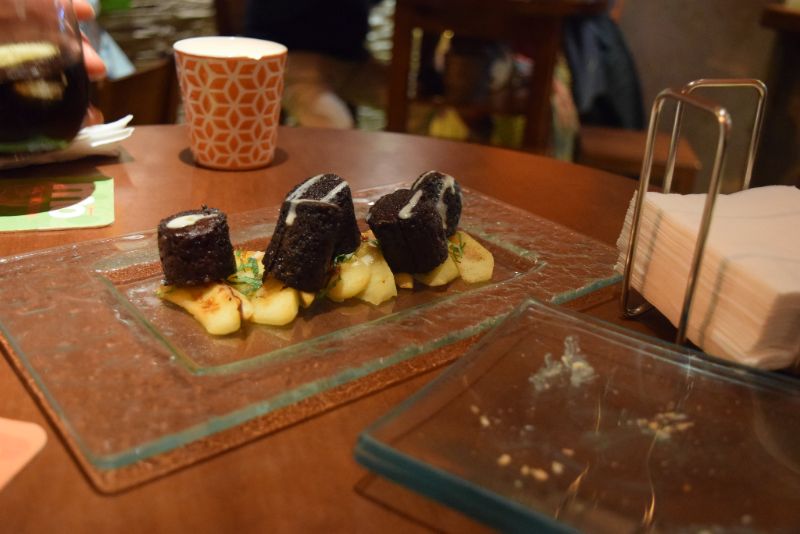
(747, 302)
(99, 140)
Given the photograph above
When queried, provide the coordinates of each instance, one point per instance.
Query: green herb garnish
(245, 284)
(252, 266)
(342, 258)
(247, 277)
(457, 250)
(322, 293)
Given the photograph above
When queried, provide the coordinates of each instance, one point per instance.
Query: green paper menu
(56, 203)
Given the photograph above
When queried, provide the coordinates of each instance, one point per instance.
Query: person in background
(328, 66)
(605, 84)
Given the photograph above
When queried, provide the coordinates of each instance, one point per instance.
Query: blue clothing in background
(605, 85)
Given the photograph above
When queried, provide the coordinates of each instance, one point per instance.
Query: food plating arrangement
(317, 251)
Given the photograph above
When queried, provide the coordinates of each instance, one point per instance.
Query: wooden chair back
(150, 94)
(230, 16)
(535, 26)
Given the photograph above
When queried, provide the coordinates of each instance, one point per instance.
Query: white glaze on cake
(333, 192)
(294, 197)
(408, 209)
(448, 184)
(305, 186)
(186, 220)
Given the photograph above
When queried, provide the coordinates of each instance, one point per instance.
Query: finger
(95, 67)
(83, 10)
(93, 116)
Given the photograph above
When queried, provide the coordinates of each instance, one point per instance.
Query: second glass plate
(558, 422)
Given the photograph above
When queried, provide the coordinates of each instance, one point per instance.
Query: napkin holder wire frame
(682, 98)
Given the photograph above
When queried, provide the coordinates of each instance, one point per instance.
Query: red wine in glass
(44, 89)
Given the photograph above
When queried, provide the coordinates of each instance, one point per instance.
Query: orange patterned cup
(231, 89)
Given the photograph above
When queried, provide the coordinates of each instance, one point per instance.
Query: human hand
(95, 67)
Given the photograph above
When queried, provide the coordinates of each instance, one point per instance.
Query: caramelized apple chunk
(216, 306)
(474, 262)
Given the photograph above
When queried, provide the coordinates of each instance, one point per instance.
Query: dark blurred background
(471, 90)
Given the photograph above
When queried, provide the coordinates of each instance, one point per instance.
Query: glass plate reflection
(555, 421)
(137, 388)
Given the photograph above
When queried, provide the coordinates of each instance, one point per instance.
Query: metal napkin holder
(685, 97)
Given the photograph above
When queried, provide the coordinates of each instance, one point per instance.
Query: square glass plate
(555, 421)
(137, 388)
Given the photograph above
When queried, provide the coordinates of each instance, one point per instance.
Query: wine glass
(44, 88)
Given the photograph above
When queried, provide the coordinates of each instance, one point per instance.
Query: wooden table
(301, 478)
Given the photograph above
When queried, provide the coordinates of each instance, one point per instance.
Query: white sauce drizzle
(408, 209)
(186, 220)
(294, 199)
(421, 178)
(305, 186)
(290, 217)
(296, 194)
(333, 192)
(448, 184)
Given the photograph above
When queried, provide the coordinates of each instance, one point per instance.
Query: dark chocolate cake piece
(303, 244)
(444, 191)
(317, 222)
(332, 188)
(410, 231)
(195, 247)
